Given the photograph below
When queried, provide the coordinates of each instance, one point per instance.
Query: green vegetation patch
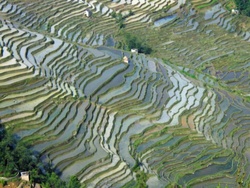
(141, 177)
(212, 2)
(243, 6)
(17, 157)
(131, 41)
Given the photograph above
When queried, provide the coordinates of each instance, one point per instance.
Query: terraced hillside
(179, 116)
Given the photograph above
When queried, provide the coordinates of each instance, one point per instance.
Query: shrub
(132, 41)
(243, 6)
(3, 182)
(113, 14)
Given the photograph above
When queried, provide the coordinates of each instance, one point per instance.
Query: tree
(35, 177)
(243, 6)
(131, 41)
(113, 14)
(53, 181)
(3, 182)
(2, 132)
(73, 182)
(17, 156)
(130, 13)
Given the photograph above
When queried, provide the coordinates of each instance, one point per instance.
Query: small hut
(125, 59)
(134, 50)
(235, 12)
(87, 13)
(25, 176)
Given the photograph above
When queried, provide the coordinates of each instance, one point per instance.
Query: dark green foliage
(15, 156)
(243, 6)
(121, 25)
(113, 14)
(3, 182)
(53, 181)
(73, 182)
(120, 19)
(36, 177)
(132, 41)
(141, 177)
(130, 13)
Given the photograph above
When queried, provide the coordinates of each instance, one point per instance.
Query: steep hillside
(176, 117)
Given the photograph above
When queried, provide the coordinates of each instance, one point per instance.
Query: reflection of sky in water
(164, 20)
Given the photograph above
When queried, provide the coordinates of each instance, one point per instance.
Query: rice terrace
(125, 93)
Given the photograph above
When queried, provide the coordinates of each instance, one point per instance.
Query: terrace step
(91, 115)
